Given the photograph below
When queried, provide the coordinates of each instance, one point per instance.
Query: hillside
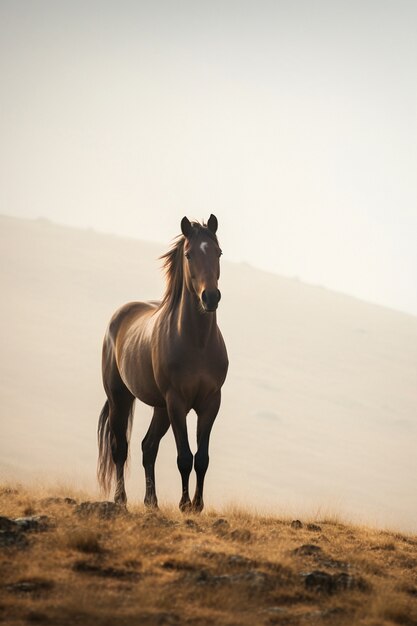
(319, 408)
(66, 562)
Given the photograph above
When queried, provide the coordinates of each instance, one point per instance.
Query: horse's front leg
(150, 445)
(206, 416)
(178, 417)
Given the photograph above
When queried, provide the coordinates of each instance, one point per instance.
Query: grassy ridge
(96, 564)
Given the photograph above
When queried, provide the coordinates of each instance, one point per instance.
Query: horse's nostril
(210, 299)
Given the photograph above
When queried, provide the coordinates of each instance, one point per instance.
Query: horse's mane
(173, 265)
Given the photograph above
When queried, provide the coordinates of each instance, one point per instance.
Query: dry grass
(224, 568)
(84, 540)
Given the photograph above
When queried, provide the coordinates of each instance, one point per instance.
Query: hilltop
(65, 560)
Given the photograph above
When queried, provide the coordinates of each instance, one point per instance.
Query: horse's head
(202, 261)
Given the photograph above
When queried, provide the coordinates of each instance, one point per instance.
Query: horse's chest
(204, 372)
(199, 367)
(196, 373)
(198, 383)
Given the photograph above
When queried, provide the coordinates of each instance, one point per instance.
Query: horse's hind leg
(150, 445)
(114, 423)
(120, 411)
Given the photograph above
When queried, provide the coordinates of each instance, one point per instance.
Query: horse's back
(128, 314)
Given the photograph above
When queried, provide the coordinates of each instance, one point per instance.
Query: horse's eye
(188, 255)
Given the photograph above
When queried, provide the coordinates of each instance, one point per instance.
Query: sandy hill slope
(319, 409)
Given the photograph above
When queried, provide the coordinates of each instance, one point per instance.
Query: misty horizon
(167, 244)
(294, 123)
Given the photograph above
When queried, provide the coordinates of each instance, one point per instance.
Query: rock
(32, 585)
(85, 567)
(321, 557)
(308, 549)
(236, 560)
(313, 527)
(11, 531)
(328, 583)
(38, 523)
(70, 501)
(334, 563)
(58, 500)
(254, 579)
(155, 519)
(296, 524)
(190, 523)
(241, 535)
(184, 566)
(221, 524)
(13, 538)
(344, 581)
(319, 581)
(258, 579)
(105, 510)
(7, 524)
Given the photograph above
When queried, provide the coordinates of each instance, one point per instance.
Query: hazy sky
(295, 122)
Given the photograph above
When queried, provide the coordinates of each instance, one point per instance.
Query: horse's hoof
(197, 507)
(151, 503)
(120, 499)
(185, 507)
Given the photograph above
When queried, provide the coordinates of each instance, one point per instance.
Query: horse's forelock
(203, 229)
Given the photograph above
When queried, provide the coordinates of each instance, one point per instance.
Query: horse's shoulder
(129, 312)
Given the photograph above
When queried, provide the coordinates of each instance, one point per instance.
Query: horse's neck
(191, 321)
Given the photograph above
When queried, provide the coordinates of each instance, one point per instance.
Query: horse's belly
(135, 366)
(152, 397)
(143, 386)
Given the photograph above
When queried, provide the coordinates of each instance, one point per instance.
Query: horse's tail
(105, 465)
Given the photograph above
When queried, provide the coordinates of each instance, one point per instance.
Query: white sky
(294, 121)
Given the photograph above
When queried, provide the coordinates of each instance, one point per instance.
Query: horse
(170, 355)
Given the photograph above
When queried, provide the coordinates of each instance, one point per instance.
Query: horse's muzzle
(210, 300)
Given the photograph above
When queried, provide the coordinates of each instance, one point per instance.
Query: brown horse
(171, 355)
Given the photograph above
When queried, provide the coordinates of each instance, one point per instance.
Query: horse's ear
(212, 224)
(186, 227)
